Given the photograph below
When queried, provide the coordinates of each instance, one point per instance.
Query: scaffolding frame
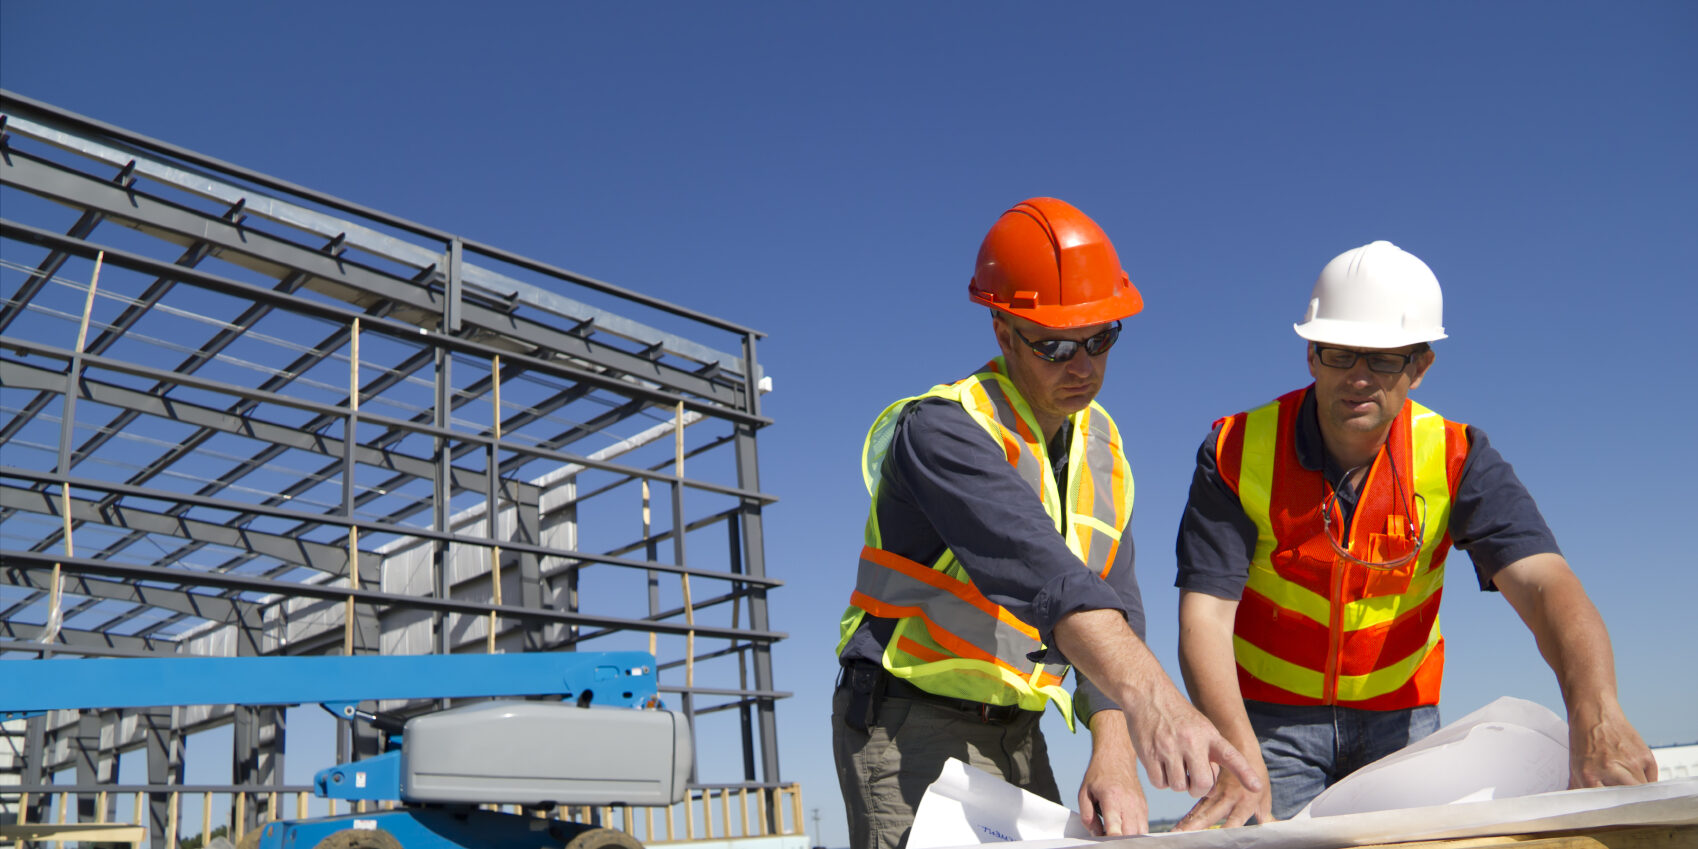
(256, 419)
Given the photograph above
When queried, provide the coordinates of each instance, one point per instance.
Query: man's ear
(1004, 333)
(1423, 361)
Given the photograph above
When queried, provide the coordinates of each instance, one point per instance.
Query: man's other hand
(1111, 800)
(1229, 803)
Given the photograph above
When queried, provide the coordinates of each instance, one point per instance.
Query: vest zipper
(1335, 628)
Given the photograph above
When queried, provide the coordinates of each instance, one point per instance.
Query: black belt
(873, 684)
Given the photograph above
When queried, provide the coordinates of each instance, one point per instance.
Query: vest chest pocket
(1382, 580)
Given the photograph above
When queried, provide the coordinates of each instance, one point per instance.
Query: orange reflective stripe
(956, 645)
(937, 580)
(1229, 449)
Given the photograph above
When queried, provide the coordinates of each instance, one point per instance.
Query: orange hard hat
(1047, 262)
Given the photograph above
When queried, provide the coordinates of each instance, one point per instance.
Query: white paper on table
(1511, 747)
(967, 805)
(971, 807)
(1661, 803)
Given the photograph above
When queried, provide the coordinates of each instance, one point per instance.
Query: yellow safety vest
(949, 638)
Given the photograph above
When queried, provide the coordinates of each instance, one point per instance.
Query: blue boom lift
(597, 739)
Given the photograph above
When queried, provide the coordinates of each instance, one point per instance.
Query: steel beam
(337, 277)
(77, 565)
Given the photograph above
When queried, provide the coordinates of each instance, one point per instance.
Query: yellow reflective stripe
(1255, 479)
(1379, 610)
(874, 537)
(1432, 479)
(1282, 673)
(1095, 524)
(878, 441)
(846, 625)
(1289, 595)
(958, 677)
(1355, 688)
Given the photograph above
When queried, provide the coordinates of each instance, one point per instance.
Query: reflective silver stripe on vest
(1028, 466)
(960, 618)
(1099, 456)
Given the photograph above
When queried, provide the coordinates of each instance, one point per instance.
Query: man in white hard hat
(1311, 559)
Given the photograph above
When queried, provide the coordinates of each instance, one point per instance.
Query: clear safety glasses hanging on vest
(1415, 519)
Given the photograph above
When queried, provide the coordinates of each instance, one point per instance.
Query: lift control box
(545, 753)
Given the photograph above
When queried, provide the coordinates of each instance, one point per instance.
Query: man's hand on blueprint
(1111, 800)
(1229, 803)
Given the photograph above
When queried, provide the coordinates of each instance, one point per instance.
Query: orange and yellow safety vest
(1314, 627)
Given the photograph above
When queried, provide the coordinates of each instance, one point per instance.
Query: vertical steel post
(492, 503)
(350, 433)
(745, 713)
(754, 559)
(164, 767)
(444, 448)
(678, 523)
(527, 528)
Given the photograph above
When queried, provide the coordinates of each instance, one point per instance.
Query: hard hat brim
(1355, 334)
(1123, 304)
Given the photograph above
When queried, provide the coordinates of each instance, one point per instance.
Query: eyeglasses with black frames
(1380, 361)
(1062, 350)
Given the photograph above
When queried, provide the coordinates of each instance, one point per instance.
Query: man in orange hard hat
(1312, 549)
(998, 552)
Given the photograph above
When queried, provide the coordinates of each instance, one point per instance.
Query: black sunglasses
(1062, 350)
(1384, 363)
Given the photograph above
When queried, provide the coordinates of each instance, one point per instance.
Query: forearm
(1210, 670)
(1109, 737)
(1567, 627)
(1211, 676)
(1111, 799)
(1603, 746)
(1102, 646)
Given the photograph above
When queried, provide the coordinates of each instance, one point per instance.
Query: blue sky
(824, 172)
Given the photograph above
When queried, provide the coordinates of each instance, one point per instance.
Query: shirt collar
(1311, 448)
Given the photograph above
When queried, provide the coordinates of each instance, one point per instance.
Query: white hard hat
(1374, 296)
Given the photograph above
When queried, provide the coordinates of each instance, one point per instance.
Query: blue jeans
(1309, 748)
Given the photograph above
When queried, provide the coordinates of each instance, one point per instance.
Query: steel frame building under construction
(244, 418)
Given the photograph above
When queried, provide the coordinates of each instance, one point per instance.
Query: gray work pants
(884, 770)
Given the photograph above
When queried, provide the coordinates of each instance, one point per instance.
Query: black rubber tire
(603, 838)
(366, 839)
